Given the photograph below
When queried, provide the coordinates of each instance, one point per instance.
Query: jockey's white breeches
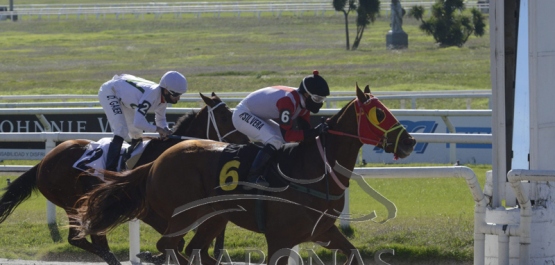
(257, 129)
(119, 117)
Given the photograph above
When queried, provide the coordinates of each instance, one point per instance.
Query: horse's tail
(119, 200)
(17, 192)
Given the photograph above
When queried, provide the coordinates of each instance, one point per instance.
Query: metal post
(50, 207)
(50, 213)
(134, 241)
(345, 213)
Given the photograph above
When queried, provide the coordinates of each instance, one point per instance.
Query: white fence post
(134, 241)
(50, 207)
(346, 212)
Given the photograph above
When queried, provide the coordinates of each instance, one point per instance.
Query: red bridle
(370, 130)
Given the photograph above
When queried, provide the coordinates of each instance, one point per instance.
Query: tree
(367, 11)
(448, 28)
(341, 5)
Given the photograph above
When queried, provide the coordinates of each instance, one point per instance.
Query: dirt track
(34, 262)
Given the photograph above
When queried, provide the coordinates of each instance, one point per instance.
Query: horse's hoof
(111, 259)
(144, 255)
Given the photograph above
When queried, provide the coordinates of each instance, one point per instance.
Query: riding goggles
(174, 94)
(315, 98)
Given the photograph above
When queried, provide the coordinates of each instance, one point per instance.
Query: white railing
(196, 8)
(52, 137)
(235, 97)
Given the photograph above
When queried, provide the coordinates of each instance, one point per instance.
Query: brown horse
(63, 185)
(299, 213)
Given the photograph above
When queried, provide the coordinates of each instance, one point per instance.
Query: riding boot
(114, 150)
(129, 151)
(259, 165)
(134, 144)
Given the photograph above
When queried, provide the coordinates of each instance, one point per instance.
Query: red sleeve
(286, 110)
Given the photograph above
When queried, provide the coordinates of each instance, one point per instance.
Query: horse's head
(375, 125)
(218, 118)
(378, 126)
(212, 122)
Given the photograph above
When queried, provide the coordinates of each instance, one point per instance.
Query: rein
(332, 173)
(212, 120)
(382, 142)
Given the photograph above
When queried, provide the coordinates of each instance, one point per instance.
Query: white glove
(164, 132)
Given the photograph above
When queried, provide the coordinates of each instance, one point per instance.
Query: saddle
(95, 153)
(236, 161)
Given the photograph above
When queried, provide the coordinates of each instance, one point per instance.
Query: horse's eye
(376, 115)
(380, 115)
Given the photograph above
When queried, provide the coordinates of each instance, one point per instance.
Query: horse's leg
(277, 244)
(177, 225)
(100, 250)
(171, 243)
(219, 244)
(203, 236)
(160, 225)
(333, 239)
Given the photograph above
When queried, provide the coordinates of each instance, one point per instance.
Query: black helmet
(315, 85)
(317, 89)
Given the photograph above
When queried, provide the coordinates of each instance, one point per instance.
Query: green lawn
(434, 222)
(75, 56)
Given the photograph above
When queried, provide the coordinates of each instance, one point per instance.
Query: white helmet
(174, 82)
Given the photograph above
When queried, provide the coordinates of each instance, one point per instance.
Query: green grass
(75, 56)
(434, 222)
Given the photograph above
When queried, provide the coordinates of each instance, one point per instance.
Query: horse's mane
(332, 121)
(183, 123)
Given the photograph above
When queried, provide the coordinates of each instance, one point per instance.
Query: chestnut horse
(296, 214)
(63, 185)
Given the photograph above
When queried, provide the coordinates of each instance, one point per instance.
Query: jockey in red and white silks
(269, 115)
(126, 99)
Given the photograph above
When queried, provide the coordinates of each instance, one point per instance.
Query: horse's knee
(80, 243)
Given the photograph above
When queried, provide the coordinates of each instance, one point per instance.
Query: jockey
(126, 99)
(268, 115)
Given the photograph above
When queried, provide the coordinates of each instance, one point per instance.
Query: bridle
(212, 120)
(377, 135)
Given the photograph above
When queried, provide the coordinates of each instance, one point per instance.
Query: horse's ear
(360, 95)
(367, 90)
(215, 96)
(207, 100)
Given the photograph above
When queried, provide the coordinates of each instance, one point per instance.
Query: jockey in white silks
(126, 99)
